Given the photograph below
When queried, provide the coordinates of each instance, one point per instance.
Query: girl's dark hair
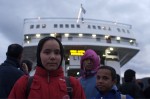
(40, 46)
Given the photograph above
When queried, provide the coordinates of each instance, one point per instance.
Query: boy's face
(104, 80)
(88, 64)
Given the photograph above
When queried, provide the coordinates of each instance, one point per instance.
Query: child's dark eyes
(103, 78)
(49, 51)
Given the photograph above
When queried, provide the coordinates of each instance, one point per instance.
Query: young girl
(48, 81)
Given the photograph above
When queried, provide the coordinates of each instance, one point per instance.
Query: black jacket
(9, 73)
(131, 89)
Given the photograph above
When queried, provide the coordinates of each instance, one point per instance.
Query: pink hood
(90, 54)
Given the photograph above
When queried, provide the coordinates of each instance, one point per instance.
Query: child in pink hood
(90, 62)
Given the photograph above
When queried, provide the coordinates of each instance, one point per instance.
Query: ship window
(108, 40)
(104, 28)
(61, 25)
(123, 30)
(128, 31)
(109, 29)
(72, 25)
(55, 25)
(118, 29)
(78, 26)
(31, 26)
(99, 27)
(38, 26)
(89, 26)
(43, 25)
(67, 25)
(98, 39)
(94, 27)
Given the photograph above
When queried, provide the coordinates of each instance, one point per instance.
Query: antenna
(80, 14)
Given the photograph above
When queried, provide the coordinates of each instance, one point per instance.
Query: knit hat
(40, 46)
(128, 75)
(14, 50)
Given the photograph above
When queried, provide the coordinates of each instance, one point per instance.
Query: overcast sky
(133, 12)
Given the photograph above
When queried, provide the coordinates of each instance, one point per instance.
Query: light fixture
(80, 35)
(131, 41)
(78, 73)
(106, 36)
(118, 38)
(53, 35)
(28, 42)
(27, 37)
(111, 49)
(38, 35)
(94, 35)
(66, 35)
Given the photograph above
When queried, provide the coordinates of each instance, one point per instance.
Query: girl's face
(88, 64)
(50, 55)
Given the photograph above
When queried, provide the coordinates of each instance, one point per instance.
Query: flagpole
(80, 14)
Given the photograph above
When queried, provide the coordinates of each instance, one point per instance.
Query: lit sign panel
(77, 52)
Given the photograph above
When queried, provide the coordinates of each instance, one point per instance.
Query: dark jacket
(47, 85)
(112, 94)
(9, 73)
(147, 92)
(132, 89)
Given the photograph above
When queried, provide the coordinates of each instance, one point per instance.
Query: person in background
(118, 81)
(147, 91)
(9, 72)
(130, 86)
(26, 66)
(48, 80)
(90, 62)
(105, 84)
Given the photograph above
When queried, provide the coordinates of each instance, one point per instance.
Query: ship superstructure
(113, 41)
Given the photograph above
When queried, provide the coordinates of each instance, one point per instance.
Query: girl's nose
(52, 56)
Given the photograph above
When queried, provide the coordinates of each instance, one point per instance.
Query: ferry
(114, 42)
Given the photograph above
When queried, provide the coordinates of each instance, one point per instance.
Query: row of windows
(78, 26)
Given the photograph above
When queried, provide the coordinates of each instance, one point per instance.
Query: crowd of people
(49, 82)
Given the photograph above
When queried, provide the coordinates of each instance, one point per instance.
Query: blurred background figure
(26, 66)
(118, 81)
(130, 86)
(147, 90)
(9, 72)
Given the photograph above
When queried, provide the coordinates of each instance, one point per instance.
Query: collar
(43, 72)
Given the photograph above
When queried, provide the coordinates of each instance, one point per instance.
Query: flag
(83, 10)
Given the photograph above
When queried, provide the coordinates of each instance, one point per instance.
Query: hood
(90, 54)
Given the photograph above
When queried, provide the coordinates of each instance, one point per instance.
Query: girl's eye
(46, 52)
(57, 52)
